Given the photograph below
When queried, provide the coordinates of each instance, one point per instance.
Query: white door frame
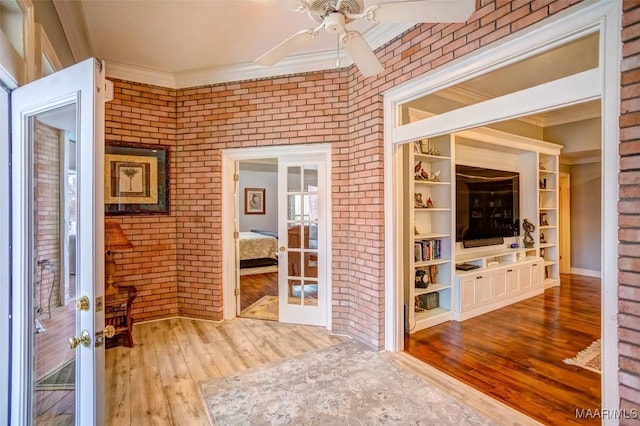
(229, 159)
(604, 16)
(5, 292)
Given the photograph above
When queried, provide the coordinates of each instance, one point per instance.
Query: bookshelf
(548, 234)
(429, 189)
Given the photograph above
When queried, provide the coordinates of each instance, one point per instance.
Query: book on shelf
(427, 250)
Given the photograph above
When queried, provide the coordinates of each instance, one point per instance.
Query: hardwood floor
(515, 354)
(156, 381)
(253, 287)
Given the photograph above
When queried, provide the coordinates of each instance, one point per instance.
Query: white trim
(137, 323)
(75, 28)
(228, 160)
(586, 272)
(4, 253)
(610, 60)
(569, 24)
(565, 91)
(140, 75)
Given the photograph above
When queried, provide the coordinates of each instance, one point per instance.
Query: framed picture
(136, 179)
(254, 201)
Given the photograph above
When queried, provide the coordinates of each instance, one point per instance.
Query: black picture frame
(136, 180)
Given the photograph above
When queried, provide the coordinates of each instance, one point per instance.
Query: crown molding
(376, 36)
(140, 75)
(75, 28)
(581, 112)
(581, 157)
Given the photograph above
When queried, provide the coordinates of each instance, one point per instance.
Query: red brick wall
(47, 143)
(282, 111)
(147, 115)
(339, 107)
(629, 221)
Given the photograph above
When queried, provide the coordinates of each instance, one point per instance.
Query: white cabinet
(490, 288)
(513, 281)
(499, 285)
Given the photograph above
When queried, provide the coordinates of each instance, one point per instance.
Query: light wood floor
(156, 381)
(516, 353)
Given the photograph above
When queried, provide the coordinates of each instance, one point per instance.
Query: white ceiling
(194, 42)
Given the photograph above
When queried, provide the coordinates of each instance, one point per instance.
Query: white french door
(302, 234)
(71, 100)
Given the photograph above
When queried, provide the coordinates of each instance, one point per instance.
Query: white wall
(257, 175)
(586, 196)
(585, 216)
(578, 136)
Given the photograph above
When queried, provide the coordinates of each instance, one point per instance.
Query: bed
(258, 248)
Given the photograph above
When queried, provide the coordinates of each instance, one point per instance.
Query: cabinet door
(525, 278)
(467, 293)
(537, 274)
(513, 282)
(484, 295)
(499, 284)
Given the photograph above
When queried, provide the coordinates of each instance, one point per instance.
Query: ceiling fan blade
(428, 11)
(289, 45)
(362, 55)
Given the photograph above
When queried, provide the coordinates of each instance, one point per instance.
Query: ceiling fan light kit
(334, 15)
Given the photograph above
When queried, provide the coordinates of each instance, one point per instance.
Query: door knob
(82, 304)
(109, 331)
(84, 339)
(282, 248)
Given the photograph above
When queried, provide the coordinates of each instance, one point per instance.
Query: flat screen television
(487, 203)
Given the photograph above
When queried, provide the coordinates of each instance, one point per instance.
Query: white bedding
(257, 246)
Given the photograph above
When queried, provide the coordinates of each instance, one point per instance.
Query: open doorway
(518, 98)
(258, 238)
(302, 230)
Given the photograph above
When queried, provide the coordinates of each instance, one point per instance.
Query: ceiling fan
(334, 15)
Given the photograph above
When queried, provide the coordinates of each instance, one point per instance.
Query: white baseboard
(586, 272)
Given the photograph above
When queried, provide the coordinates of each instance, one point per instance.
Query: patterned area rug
(62, 378)
(344, 384)
(588, 358)
(265, 308)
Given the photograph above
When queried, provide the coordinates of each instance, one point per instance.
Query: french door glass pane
(53, 152)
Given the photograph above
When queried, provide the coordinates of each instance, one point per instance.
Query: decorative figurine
(417, 200)
(435, 176)
(528, 229)
(429, 203)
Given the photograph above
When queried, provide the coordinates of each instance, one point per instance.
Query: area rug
(266, 308)
(588, 358)
(344, 384)
(62, 378)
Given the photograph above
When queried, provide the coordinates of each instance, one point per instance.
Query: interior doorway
(257, 218)
(276, 210)
(524, 101)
